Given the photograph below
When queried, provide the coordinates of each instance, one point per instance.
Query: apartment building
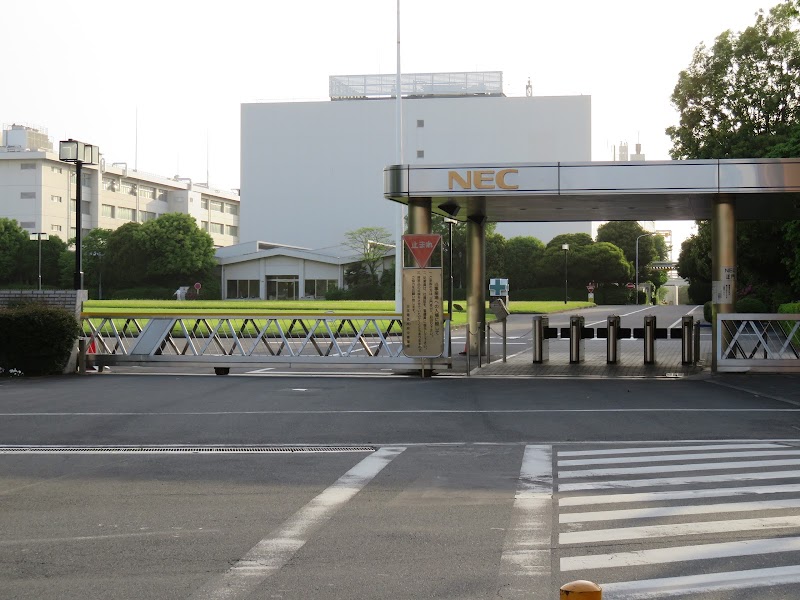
(39, 192)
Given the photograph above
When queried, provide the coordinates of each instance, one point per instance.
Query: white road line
(682, 495)
(676, 529)
(264, 370)
(672, 457)
(113, 536)
(677, 511)
(275, 550)
(625, 315)
(525, 564)
(680, 554)
(722, 466)
(656, 589)
(667, 481)
(676, 448)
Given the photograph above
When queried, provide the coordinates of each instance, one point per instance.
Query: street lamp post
(565, 248)
(637, 263)
(79, 153)
(40, 236)
(450, 222)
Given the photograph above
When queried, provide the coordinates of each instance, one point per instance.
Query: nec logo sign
(487, 179)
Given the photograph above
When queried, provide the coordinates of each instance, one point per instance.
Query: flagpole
(398, 248)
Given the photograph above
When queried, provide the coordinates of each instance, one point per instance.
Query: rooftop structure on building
(417, 85)
(38, 191)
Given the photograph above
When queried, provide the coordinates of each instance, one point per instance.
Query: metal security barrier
(576, 342)
(541, 341)
(225, 340)
(649, 339)
(758, 342)
(613, 344)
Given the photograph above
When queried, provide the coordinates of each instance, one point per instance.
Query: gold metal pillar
(723, 265)
(419, 215)
(476, 277)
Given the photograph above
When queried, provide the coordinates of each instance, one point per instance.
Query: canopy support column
(723, 265)
(476, 278)
(419, 215)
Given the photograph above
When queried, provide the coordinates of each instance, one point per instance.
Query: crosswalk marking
(677, 511)
(680, 554)
(526, 560)
(657, 589)
(627, 460)
(661, 468)
(721, 466)
(669, 481)
(677, 448)
(681, 495)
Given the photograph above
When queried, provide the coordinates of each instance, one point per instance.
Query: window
(107, 210)
(204, 225)
(57, 199)
(128, 187)
(243, 288)
(204, 203)
(27, 166)
(231, 209)
(161, 195)
(55, 227)
(110, 184)
(127, 214)
(86, 178)
(319, 287)
(147, 192)
(58, 170)
(145, 215)
(27, 195)
(85, 207)
(420, 122)
(217, 205)
(217, 228)
(420, 153)
(282, 287)
(231, 230)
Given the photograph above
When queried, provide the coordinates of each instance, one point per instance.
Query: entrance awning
(601, 191)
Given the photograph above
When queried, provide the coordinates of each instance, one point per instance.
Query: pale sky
(84, 69)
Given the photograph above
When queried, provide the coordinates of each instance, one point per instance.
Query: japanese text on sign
(423, 332)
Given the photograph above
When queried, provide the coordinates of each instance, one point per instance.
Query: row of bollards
(542, 333)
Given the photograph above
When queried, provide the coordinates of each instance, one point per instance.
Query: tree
(177, 249)
(623, 234)
(370, 244)
(12, 243)
(95, 246)
(522, 256)
(574, 240)
(125, 258)
(741, 97)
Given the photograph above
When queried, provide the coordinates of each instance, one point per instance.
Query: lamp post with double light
(565, 248)
(39, 236)
(81, 154)
(637, 262)
(450, 222)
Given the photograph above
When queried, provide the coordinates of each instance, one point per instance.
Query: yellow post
(581, 590)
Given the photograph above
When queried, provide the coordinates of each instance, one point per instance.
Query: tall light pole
(565, 248)
(40, 236)
(450, 222)
(79, 153)
(637, 263)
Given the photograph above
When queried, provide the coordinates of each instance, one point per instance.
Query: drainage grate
(177, 449)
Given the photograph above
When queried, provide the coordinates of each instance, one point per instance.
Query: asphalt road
(448, 503)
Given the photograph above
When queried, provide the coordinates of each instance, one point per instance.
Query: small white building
(267, 271)
(39, 192)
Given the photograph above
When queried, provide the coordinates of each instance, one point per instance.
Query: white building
(39, 192)
(314, 170)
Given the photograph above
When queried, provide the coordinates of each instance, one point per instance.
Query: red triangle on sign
(422, 246)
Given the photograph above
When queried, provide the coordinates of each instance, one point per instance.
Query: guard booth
(720, 190)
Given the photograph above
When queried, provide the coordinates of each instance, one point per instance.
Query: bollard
(541, 345)
(467, 347)
(650, 339)
(687, 339)
(576, 342)
(488, 343)
(581, 590)
(696, 353)
(505, 338)
(612, 340)
(82, 356)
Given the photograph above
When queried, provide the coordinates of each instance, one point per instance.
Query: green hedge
(36, 339)
(792, 308)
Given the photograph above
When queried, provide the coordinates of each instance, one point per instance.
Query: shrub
(36, 339)
(336, 294)
(700, 291)
(792, 308)
(750, 304)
